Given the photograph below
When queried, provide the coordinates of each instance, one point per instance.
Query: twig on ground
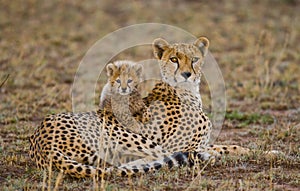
(5, 79)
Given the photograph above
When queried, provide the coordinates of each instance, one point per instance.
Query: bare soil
(256, 44)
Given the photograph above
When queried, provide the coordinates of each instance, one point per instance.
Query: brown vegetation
(256, 44)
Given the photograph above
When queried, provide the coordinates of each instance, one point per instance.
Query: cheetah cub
(121, 96)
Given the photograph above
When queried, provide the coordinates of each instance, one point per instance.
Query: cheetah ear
(110, 68)
(159, 46)
(202, 43)
(139, 70)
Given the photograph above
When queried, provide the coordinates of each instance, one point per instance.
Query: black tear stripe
(193, 68)
(177, 64)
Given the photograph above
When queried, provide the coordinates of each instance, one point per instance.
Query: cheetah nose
(123, 89)
(186, 75)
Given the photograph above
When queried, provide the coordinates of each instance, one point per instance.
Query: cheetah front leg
(234, 150)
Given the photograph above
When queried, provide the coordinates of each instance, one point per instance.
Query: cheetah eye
(118, 81)
(174, 59)
(129, 81)
(195, 59)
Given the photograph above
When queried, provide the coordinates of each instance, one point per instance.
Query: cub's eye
(118, 81)
(129, 81)
(195, 59)
(174, 59)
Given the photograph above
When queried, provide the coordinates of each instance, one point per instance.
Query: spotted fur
(176, 134)
(121, 96)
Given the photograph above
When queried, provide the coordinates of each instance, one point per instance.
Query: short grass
(246, 119)
(256, 44)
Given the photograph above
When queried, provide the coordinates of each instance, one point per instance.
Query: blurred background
(256, 44)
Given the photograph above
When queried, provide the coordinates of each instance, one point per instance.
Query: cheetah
(120, 94)
(178, 123)
(183, 126)
(176, 134)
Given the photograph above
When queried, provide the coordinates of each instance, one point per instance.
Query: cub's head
(124, 76)
(180, 63)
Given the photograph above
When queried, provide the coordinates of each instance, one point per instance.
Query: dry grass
(256, 44)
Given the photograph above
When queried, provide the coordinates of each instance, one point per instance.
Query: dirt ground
(256, 44)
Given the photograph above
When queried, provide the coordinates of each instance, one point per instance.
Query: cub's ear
(202, 43)
(110, 68)
(139, 70)
(159, 46)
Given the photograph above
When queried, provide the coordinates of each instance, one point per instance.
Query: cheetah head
(124, 76)
(181, 63)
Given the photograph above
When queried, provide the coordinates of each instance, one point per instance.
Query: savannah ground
(256, 44)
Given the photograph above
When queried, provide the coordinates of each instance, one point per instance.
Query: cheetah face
(124, 76)
(123, 86)
(181, 63)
